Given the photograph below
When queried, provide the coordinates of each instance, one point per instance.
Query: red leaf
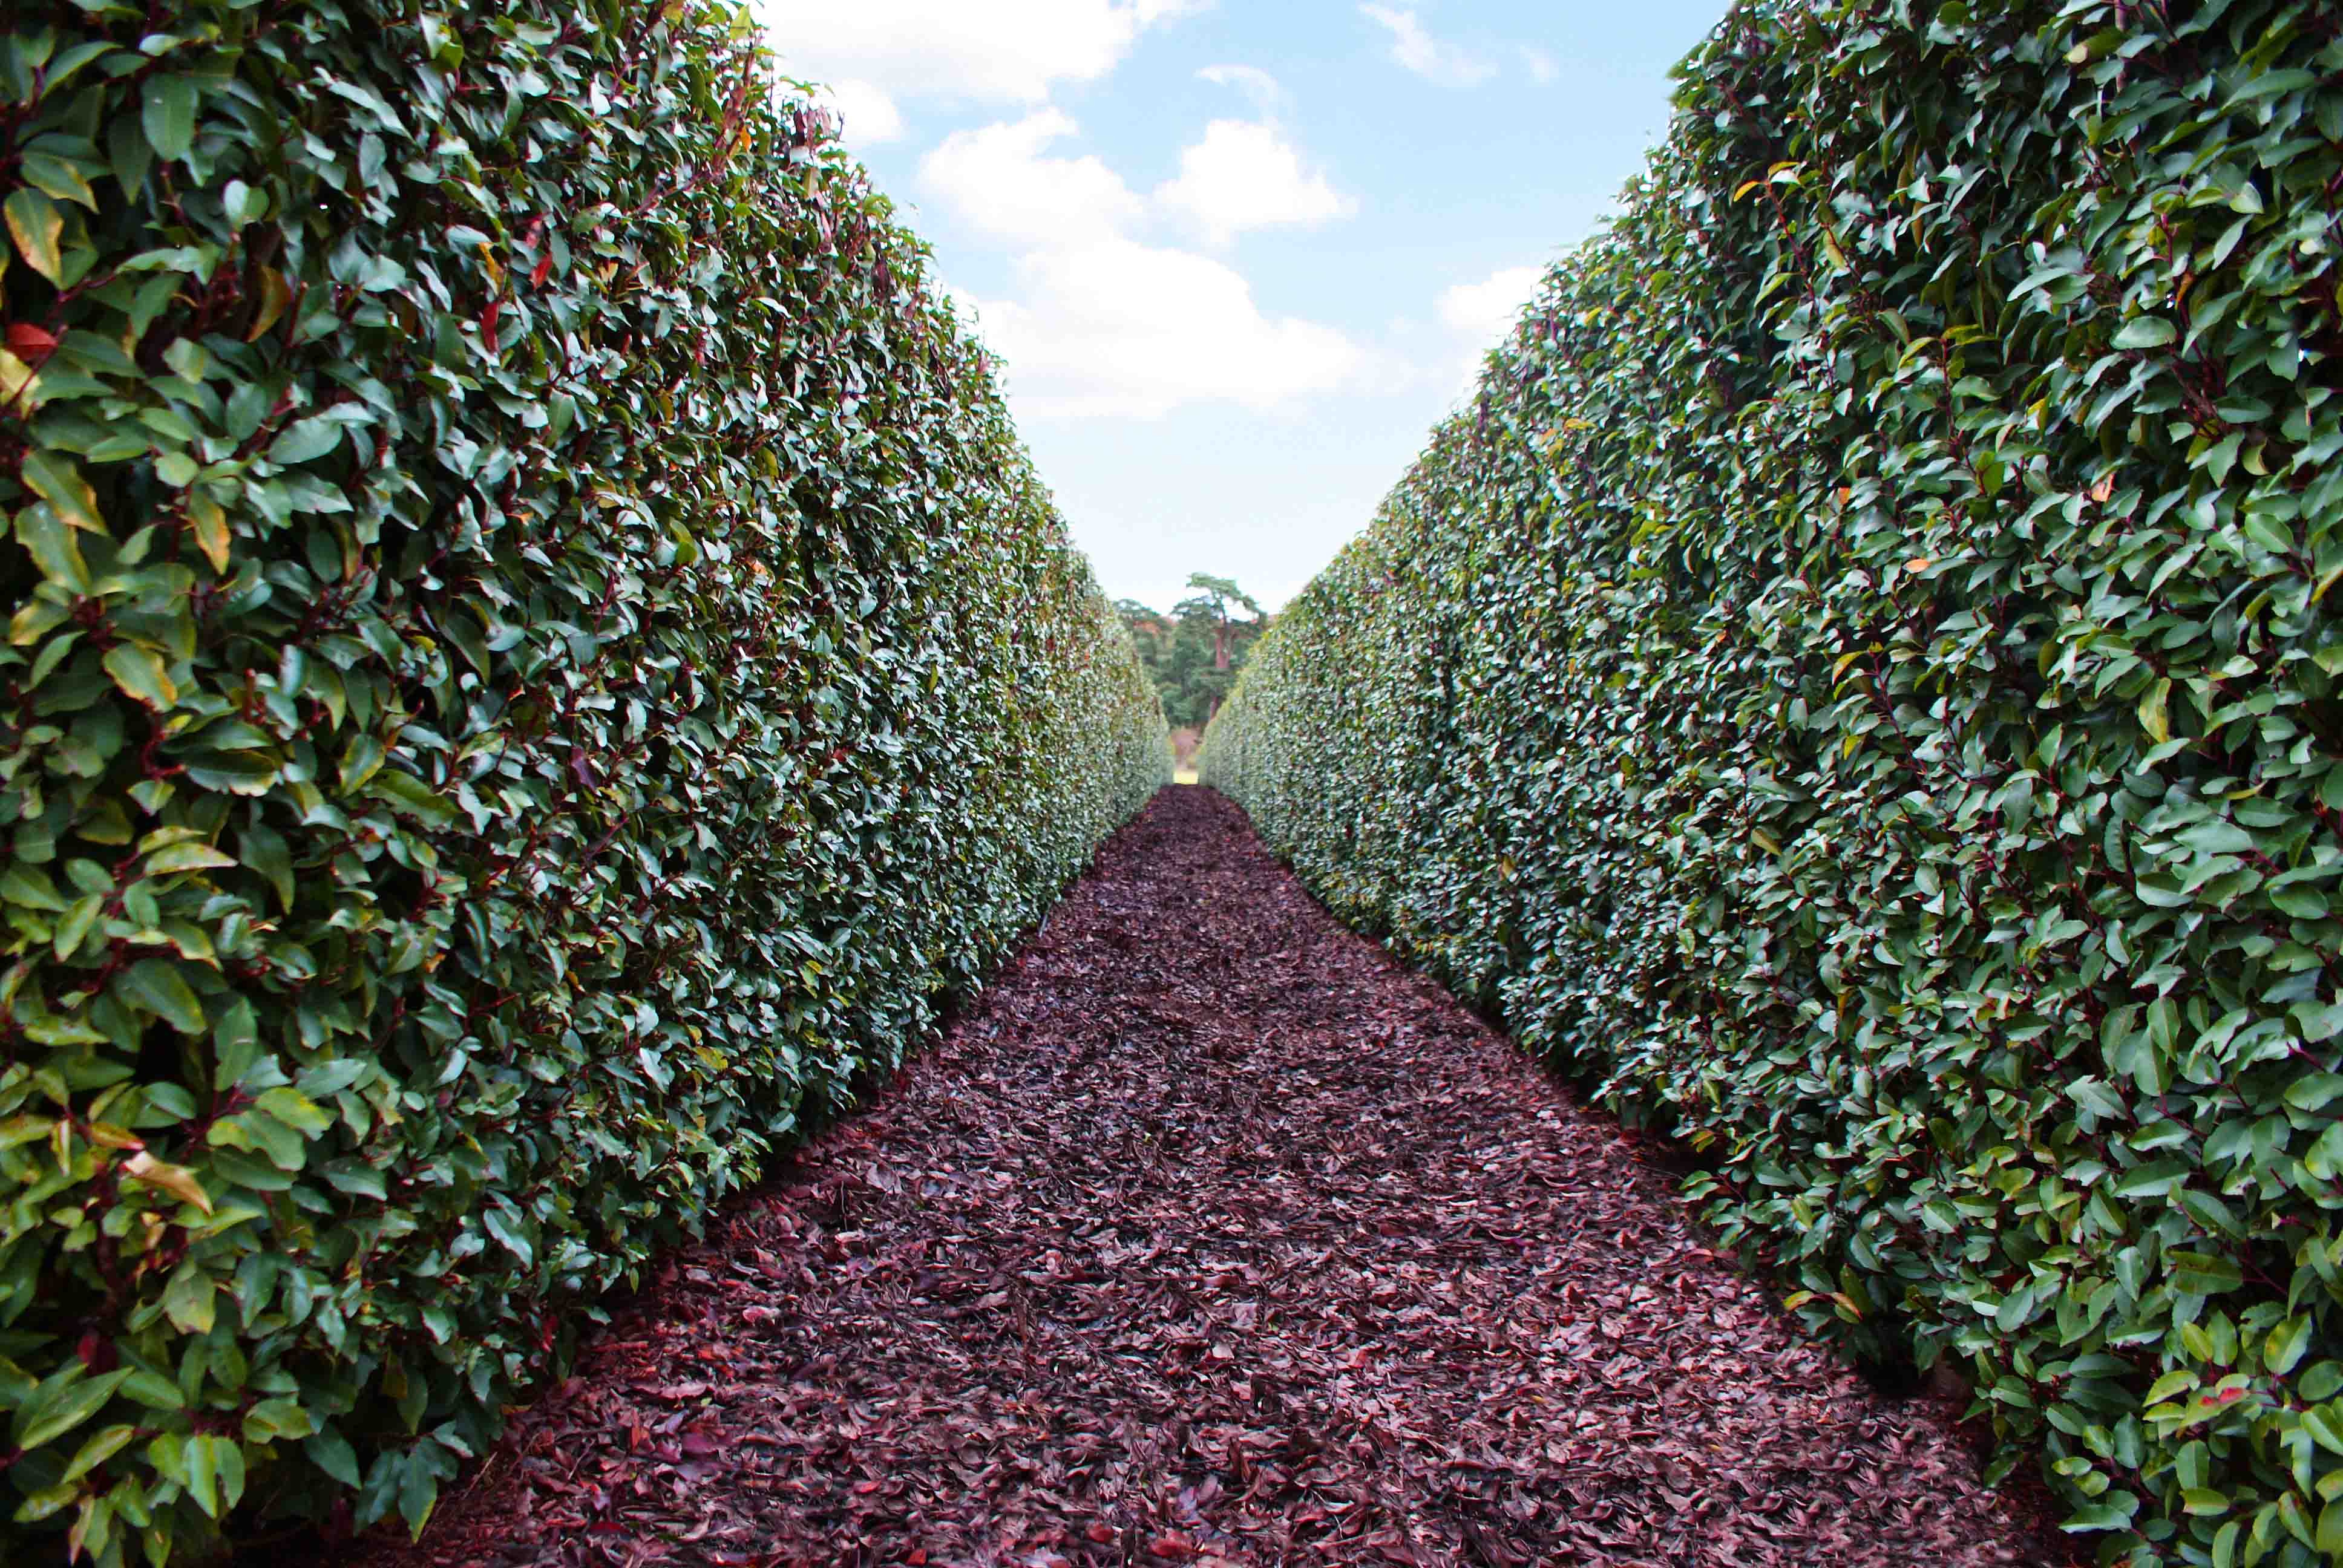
(29, 343)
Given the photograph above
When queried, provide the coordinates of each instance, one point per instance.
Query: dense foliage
(1194, 653)
(536, 663)
(1857, 680)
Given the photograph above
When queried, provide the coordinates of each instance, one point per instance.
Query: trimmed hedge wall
(1858, 680)
(537, 663)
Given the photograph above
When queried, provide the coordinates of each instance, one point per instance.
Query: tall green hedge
(1858, 679)
(537, 661)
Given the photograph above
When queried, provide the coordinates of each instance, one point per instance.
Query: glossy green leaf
(50, 544)
(154, 985)
(167, 115)
(58, 480)
(59, 1405)
(140, 673)
(37, 228)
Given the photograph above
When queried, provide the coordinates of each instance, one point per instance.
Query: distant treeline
(1194, 653)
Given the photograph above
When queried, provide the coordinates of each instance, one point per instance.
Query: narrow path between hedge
(1212, 1235)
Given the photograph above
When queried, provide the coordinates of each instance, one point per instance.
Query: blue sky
(1238, 256)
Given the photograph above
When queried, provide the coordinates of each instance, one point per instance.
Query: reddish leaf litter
(1211, 1236)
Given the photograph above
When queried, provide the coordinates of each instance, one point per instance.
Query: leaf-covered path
(1212, 1235)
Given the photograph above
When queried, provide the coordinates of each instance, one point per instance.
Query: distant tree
(1211, 605)
(1195, 652)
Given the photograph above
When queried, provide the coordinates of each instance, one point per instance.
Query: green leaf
(234, 772)
(330, 1452)
(169, 116)
(296, 1109)
(48, 1500)
(60, 1405)
(244, 204)
(263, 850)
(57, 481)
(58, 178)
(2202, 1273)
(278, 1419)
(508, 1229)
(2096, 1095)
(154, 986)
(236, 1044)
(154, 1391)
(2146, 332)
(280, 1145)
(78, 920)
(419, 1492)
(187, 1300)
(2286, 1345)
(2318, 1020)
(208, 521)
(199, 1463)
(37, 226)
(193, 857)
(50, 545)
(405, 790)
(306, 440)
(2178, 1381)
(2113, 1510)
(363, 1180)
(29, 886)
(2313, 1091)
(141, 676)
(103, 1445)
(2152, 717)
(2304, 903)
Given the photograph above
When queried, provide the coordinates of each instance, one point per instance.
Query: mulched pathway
(1208, 1236)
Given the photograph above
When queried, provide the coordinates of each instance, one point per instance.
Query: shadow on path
(1211, 1236)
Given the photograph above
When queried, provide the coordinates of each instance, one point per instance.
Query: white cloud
(1481, 314)
(1101, 324)
(1420, 52)
(987, 51)
(1117, 329)
(1485, 310)
(1541, 65)
(869, 114)
(1245, 174)
(998, 179)
(1250, 80)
